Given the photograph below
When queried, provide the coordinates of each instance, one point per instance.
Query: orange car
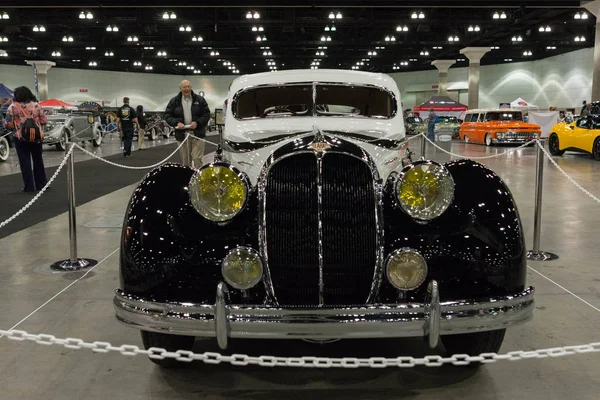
(496, 126)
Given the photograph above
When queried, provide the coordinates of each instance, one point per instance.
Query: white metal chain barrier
(305, 361)
(42, 191)
(577, 185)
(478, 157)
(131, 167)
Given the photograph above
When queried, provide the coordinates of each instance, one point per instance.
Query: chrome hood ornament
(319, 144)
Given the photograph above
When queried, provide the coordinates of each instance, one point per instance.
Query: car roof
(315, 75)
(480, 110)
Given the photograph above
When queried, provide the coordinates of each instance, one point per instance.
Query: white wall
(153, 91)
(562, 81)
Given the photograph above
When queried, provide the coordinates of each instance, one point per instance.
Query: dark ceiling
(293, 32)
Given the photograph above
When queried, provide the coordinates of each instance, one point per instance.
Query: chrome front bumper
(428, 319)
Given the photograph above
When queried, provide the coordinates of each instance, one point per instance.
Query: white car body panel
(249, 130)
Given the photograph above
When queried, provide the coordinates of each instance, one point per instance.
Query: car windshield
(448, 120)
(504, 116)
(297, 100)
(415, 120)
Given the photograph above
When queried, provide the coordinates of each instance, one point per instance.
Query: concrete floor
(32, 371)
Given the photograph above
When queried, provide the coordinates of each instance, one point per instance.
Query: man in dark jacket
(126, 117)
(189, 109)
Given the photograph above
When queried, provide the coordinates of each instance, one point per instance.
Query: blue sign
(35, 80)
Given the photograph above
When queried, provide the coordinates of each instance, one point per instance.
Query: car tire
(553, 145)
(596, 149)
(170, 343)
(4, 149)
(64, 138)
(488, 139)
(152, 134)
(474, 344)
(97, 141)
(466, 138)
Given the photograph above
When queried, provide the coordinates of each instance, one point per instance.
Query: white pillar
(474, 55)
(594, 8)
(443, 66)
(42, 68)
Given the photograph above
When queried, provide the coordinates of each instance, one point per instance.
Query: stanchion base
(541, 255)
(67, 265)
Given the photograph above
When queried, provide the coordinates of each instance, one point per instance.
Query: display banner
(504, 105)
(545, 119)
(35, 81)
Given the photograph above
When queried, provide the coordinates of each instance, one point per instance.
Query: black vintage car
(314, 223)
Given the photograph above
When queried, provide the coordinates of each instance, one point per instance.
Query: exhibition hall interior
(326, 199)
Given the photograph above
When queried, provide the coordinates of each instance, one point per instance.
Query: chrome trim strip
(320, 225)
(374, 321)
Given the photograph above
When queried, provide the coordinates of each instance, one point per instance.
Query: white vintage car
(312, 222)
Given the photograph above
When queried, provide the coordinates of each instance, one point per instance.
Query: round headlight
(406, 269)
(218, 192)
(242, 268)
(425, 189)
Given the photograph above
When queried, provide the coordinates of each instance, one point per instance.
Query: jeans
(27, 152)
(127, 139)
(431, 132)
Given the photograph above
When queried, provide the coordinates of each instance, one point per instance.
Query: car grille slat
(349, 232)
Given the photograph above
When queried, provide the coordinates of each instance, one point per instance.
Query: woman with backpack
(25, 117)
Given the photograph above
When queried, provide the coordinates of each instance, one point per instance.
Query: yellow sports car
(582, 135)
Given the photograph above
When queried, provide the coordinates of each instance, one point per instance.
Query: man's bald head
(185, 87)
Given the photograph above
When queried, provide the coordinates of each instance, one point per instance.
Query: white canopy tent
(523, 105)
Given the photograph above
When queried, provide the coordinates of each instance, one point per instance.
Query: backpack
(30, 131)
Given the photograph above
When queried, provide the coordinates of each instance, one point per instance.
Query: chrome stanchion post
(423, 143)
(188, 151)
(536, 254)
(73, 263)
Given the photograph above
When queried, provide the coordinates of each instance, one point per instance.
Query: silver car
(75, 127)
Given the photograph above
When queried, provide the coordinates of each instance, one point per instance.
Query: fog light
(406, 269)
(242, 268)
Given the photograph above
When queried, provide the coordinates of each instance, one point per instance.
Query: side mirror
(572, 127)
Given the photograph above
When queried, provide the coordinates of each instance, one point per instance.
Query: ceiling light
(424, 53)
(173, 15)
(470, 28)
(527, 53)
(508, 59)
(165, 15)
(76, 60)
(477, 29)
(148, 67)
(82, 15)
(450, 39)
(137, 64)
(31, 48)
(421, 15)
(372, 53)
(124, 60)
(93, 63)
(584, 15)
(495, 47)
(327, 28)
(64, 39)
(181, 28)
(338, 15)
(256, 15)
(548, 29)
(249, 15)
(258, 39)
(197, 39)
(331, 15)
(90, 48)
(414, 15)
(503, 15)
(36, 28)
(5, 15)
(42, 28)
(149, 48)
(390, 38)
(89, 15)
(550, 47)
(496, 15)
(109, 54)
(580, 39)
(56, 54)
(254, 29)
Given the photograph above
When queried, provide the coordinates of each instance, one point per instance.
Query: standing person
(431, 125)
(126, 117)
(26, 117)
(142, 127)
(189, 109)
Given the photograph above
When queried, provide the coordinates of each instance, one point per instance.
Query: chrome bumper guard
(513, 140)
(223, 321)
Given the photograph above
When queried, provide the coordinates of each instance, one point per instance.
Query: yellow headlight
(242, 268)
(218, 192)
(406, 269)
(425, 190)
